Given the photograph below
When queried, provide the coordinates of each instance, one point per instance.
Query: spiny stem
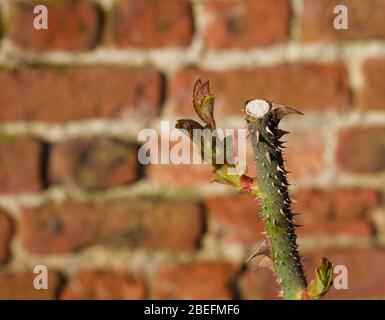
(276, 203)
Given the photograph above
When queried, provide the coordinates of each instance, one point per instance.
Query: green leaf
(203, 102)
(323, 280)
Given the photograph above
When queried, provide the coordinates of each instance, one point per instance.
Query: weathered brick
(19, 286)
(6, 232)
(335, 212)
(199, 280)
(245, 23)
(338, 212)
(75, 93)
(149, 225)
(306, 87)
(257, 284)
(93, 164)
(191, 173)
(17, 174)
(181, 174)
(365, 267)
(361, 150)
(304, 154)
(365, 18)
(151, 24)
(365, 275)
(176, 174)
(372, 94)
(98, 285)
(71, 26)
(234, 219)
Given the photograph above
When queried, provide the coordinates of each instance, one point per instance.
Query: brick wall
(73, 196)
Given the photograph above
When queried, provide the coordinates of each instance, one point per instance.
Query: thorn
(267, 155)
(257, 137)
(280, 111)
(281, 133)
(269, 131)
(280, 143)
(262, 249)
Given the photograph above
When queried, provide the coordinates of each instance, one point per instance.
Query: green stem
(276, 204)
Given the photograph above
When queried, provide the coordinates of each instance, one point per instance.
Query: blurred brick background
(73, 196)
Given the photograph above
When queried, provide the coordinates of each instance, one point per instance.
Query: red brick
(245, 23)
(6, 232)
(200, 280)
(17, 174)
(94, 285)
(336, 212)
(361, 150)
(188, 175)
(75, 93)
(365, 275)
(304, 154)
(318, 17)
(306, 87)
(257, 284)
(71, 26)
(154, 23)
(93, 164)
(19, 286)
(234, 219)
(181, 175)
(149, 225)
(365, 266)
(177, 174)
(340, 212)
(372, 93)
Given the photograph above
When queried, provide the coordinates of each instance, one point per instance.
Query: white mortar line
(96, 257)
(212, 60)
(295, 23)
(128, 129)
